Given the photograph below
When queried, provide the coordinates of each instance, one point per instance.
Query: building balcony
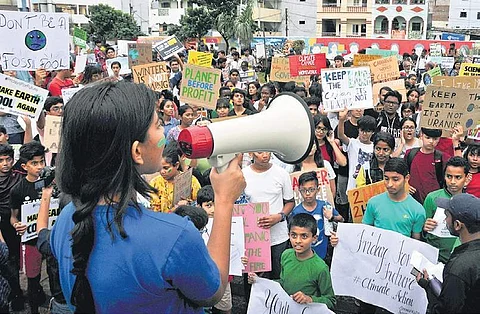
(331, 9)
(400, 2)
(357, 9)
(267, 15)
(357, 35)
(330, 34)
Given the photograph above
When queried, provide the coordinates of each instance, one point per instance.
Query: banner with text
(301, 65)
(346, 88)
(154, 75)
(203, 59)
(363, 60)
(446, 107)
(358, 198)
(53, 126)
(474, 133)
(384, 69)
(20, 98)
(168, 47)
(200, 86)
(30, 214)
(379, 267)
(469, 69)
(280, 71)
(32, 41)
(268, 296)
(324, 190)
(257, 240)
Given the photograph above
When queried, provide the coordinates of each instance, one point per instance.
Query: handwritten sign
(447, 62)
(168, 47)
(237, 244)
(200, 86)
(30, 214)
(436, 71)
(462, 82)
(324, 191)
(203, 59)
(182, 186)
(20, 98)
(301, 65)
(474, 133)
(280, 71)
(398, 85)
(67, 93)
(52, 132)
(441, 229)
(31, 40)
(359, 197)
(363, 60)
(268, 296)
(469, 69)
(346, 88)
(381, 275)
(154, 75)
(435, 50)
(79, 37)
(446, 107)
(139, 53)
(125, 69)
(257, 240)
(384, 69)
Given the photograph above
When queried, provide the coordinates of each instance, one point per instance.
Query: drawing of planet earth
(35, 40)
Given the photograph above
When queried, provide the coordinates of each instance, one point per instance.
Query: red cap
(196, 142)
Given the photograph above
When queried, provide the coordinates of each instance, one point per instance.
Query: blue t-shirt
(158, 268)
(320, 247)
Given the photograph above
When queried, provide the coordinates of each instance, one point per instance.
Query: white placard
(80, 63)
(346, 88)
(122, 47)
(448, 62)
(68, 93)
(378, 263)
(33, 40)
(420, 262)
(123, 63)
(30, 214)
(268, 296)
(237, 244)
(20, 98)
(441, 228)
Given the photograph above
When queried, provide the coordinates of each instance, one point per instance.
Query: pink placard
(257, 240)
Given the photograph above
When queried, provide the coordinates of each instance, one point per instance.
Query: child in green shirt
(304, 275)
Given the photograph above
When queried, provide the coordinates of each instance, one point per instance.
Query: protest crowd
(384, 208)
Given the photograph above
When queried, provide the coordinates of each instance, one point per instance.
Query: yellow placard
(203, 59)
(359, 197)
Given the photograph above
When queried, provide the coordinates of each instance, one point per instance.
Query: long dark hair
(326, 123)
(99, 127)
(317, 157)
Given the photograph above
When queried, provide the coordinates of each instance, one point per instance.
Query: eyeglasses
(309, 190)
(408, 128)
(56, 108)
(321, 130)
(386, 102)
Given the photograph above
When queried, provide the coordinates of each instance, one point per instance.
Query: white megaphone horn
(286, 129)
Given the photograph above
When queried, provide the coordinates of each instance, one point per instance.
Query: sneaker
(18, 303)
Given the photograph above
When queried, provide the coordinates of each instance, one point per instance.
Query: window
(82, 9)
(478, 15)
(165, 5)
(463, 14)
(66, 8)
(416, 27)
(301, 22)
(355, 29)
(302, 0)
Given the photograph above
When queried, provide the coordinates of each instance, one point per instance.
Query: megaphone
(286, 129)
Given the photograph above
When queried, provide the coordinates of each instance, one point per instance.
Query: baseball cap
(465, 207)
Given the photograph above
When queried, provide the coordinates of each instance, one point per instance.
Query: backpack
(437, 156)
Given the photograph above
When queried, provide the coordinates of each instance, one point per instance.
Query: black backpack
(437, 156)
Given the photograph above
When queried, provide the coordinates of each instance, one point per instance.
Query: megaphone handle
(220, 162)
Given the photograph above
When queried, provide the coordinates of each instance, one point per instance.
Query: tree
(244, 26)
(194, 24)
(225, 26)
(106, 23)
(298, 46)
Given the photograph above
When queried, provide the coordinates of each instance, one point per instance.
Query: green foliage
(298, 46)
(106, 23)
(244, 26)
(195, 23)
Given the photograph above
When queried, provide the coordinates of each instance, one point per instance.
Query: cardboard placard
(363, 60)
(384, 69)
(51, 137)
(381, 275)
(32, 41)
(324, 191)
(30, 214)
(474, 133)
(139, 53)
(257, 240)
(446, 107)
(79, 37)
(303, 65)
(280, 71)
(20, 98)
(154, 75)
(168, 47)
(200, 86)
(359, 197)
(182, 186)
(469, 69)
(462, 82)
(203, 59)
(398, 85)
(346, 88)
(125, 69)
